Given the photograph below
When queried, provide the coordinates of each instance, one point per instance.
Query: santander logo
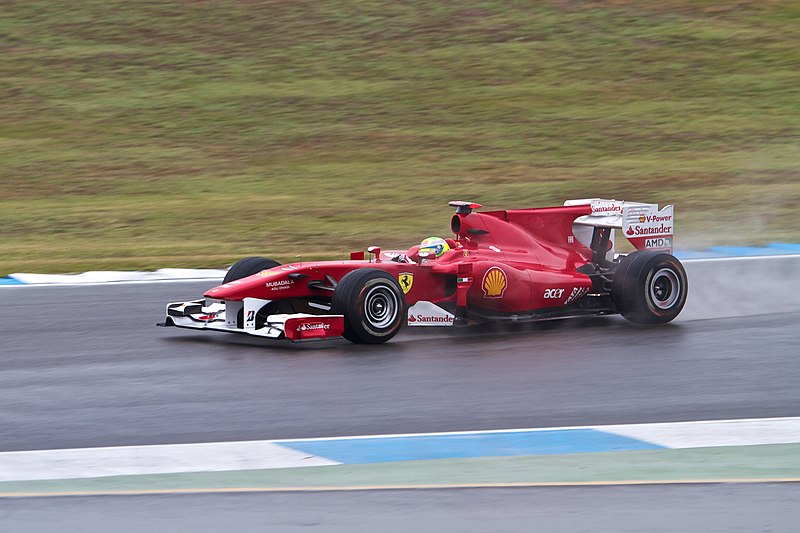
(649, 230)
(613, 208)
(425, 313)
(423, 319)
(313, 326)
(606, 207)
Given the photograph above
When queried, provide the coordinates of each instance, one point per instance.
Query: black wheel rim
(380, 307)
(665, 288)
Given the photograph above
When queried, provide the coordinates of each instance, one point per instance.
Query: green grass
(144, 134)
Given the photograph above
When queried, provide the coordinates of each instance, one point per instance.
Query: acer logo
(553, 293)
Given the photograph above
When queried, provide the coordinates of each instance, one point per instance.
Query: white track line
(114, 276)
(160, 459)
(713, 432)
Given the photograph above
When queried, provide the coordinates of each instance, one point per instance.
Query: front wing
(241, 317)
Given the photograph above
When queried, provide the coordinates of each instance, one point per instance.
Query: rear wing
(645, 225)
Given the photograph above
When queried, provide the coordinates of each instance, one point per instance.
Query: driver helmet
(433, 247)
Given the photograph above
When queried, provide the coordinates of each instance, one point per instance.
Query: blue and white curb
(466, 445)
(272, 454)
(553, 441)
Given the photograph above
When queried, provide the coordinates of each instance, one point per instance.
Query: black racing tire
(649, 287)
(247, 267)
(372, 303)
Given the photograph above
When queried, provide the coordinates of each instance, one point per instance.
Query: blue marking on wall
(695, 254)
(744, 251)
(785, 247)
(414, 448)
(10, 281)
(715, 252)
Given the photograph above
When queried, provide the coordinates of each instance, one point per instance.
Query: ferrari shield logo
(406, 280)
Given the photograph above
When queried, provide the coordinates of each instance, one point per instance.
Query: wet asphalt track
(85, 366)
(653, 509)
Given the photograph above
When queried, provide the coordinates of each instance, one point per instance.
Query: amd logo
(663, 242)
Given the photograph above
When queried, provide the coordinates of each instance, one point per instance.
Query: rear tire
(372, 303)
(247, 267)
(649, 287)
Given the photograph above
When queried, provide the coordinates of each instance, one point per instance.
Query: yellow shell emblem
(494, 283)
(406, 280)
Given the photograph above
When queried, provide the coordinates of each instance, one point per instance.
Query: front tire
(244, 268)
(649, 287)
(247, 267)
(372, 303)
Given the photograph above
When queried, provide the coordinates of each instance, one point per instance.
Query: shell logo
(494, 283)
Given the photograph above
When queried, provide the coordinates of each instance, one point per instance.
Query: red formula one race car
(509, 265)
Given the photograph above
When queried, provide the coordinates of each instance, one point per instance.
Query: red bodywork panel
(507, 261)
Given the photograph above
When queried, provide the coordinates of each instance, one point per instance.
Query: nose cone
(235, 290)
(268, 284)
